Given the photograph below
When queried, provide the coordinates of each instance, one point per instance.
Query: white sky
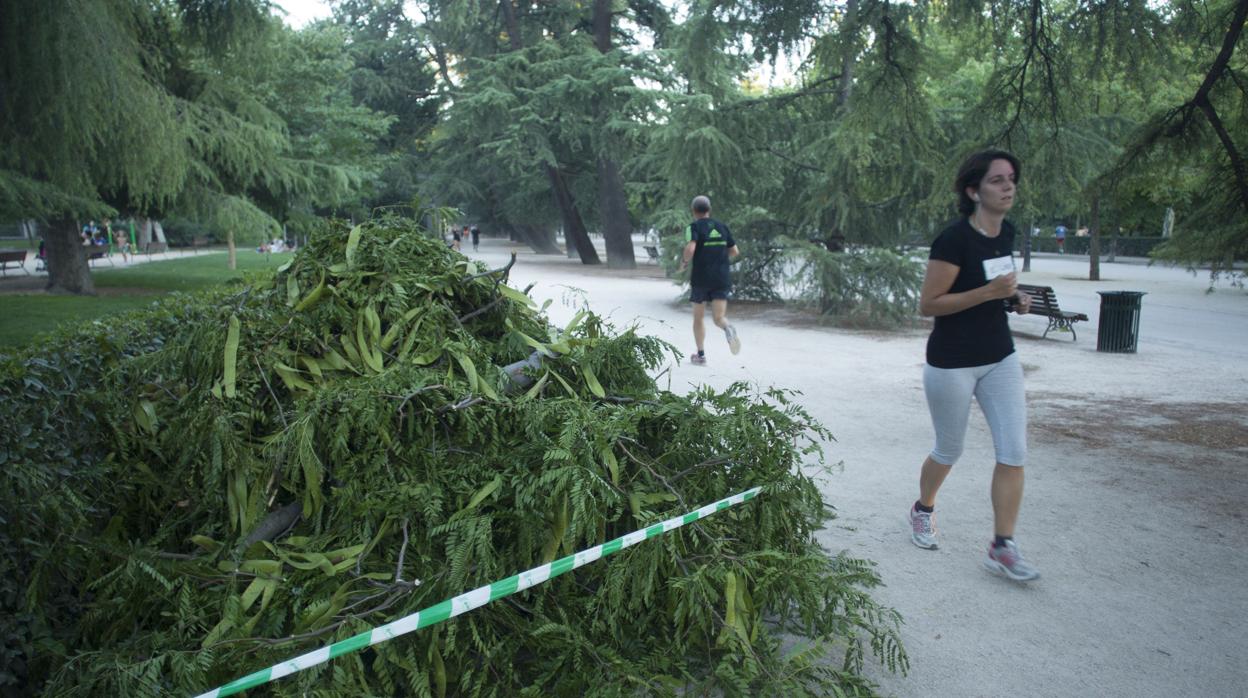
(301, 12)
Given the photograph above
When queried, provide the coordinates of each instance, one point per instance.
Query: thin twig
(485, 308)
(271, 488)
(462, 404)
(619, 399)
(398, 569)
(280, 412)
(503, 269)
(718, 460)
(488, 306)
(414, 393)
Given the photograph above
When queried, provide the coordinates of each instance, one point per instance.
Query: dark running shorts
(702, 295)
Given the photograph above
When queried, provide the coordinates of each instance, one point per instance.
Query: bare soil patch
(22, 284)
(1219, 426)
(37, 284)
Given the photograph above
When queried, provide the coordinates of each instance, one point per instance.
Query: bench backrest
(1043, 299)
(157, 246)
(12, 256)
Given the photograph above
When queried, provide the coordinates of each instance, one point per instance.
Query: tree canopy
(533, 116)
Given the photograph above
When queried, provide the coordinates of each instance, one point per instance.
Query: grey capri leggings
(999, 390)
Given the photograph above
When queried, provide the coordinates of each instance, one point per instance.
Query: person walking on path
(476, 237)
(1060, 234)
(709, 247)
(970, 281)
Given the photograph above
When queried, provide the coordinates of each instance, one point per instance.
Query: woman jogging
(970, 277)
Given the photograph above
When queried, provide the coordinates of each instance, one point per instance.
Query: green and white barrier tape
(474, 599)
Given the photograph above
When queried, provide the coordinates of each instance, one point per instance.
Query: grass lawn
(27, 315)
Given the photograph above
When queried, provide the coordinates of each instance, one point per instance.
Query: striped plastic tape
(474, 599)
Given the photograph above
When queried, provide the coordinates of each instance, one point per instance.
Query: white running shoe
(922, 528)
(1007, 561)
(734, 342)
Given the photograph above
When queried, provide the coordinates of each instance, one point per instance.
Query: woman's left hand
(1022, 303)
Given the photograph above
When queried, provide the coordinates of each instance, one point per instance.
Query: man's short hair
(701, 204)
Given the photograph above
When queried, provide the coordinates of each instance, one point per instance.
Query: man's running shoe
(1007, 561)
(697, 359)
(734, 342)
(922, 528)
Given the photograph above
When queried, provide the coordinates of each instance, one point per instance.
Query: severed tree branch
(491, 304)
(504, 270)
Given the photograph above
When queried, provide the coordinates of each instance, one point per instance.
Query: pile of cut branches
(226, 480)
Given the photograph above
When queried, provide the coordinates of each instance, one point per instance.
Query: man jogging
(709, 247)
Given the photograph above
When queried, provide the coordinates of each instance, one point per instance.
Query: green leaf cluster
(235, 477)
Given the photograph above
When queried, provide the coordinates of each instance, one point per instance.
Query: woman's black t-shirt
(980, 334)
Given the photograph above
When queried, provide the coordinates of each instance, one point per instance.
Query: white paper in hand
(999, 266)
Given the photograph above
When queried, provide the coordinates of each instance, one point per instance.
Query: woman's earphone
(975, 197)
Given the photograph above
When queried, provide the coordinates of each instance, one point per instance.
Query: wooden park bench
(155, 247)
(653, 253)
(198, 242)
(95, 252)
(1044, 303)
(8, 257)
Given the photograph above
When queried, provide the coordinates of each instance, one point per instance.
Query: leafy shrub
(861, 286)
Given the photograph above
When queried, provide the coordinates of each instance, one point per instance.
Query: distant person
(124, 247)
(970, 353)
(476, 237)
(1060, 234)
(709, 247)
(120, 241)
(89, 232)
(457, 237)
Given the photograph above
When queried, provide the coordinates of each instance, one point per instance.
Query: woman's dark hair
(972, 172)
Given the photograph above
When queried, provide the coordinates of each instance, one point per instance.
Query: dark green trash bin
(1119, 329)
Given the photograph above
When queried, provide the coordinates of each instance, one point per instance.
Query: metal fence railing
(1111, 245)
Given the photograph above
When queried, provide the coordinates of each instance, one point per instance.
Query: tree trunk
(513, 25)
(542, 240)
(145, 232)
(1094, 242)
(1027, 245)
(616, 227)
(68, 269)
(229, 242)
(602, 25)
(849, 30)
(573, 226)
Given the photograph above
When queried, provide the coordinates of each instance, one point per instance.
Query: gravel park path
(1136, 492)
(1137, 482)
